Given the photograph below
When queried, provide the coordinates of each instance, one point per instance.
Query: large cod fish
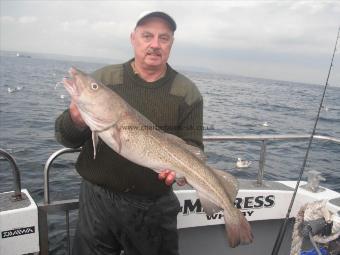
(111, 118)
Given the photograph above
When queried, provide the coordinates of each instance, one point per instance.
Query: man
(124, 206)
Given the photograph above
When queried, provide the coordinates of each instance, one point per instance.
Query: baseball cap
(145, 15)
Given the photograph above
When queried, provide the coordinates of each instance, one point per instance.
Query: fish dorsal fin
(194, 150)
(210, 208)
(229, 182)
(94, 142)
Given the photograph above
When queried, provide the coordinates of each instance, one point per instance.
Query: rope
(309, 212)
(297, 238)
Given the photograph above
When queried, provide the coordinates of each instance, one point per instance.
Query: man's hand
(76, 117)
(169, 177)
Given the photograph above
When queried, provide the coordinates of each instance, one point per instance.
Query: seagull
(242, 163)
(10, 90)
(265, 124)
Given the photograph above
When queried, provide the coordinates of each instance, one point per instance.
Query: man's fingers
(163, 174)
(167, 176)
(170, 178)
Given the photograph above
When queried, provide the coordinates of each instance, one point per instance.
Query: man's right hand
(76, 117)
(169, 177)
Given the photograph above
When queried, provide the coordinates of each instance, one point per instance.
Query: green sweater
(173, 103)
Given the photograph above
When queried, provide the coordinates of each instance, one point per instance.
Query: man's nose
(155, 42)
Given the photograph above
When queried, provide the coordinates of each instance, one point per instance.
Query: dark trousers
(112, 222)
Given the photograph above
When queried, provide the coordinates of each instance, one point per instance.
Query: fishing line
(283, 227)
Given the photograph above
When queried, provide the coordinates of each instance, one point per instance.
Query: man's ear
(132, 37)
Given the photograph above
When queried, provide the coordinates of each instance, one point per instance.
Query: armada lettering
(190, 207)
(240, 202)
(255, 202)
(18, 232)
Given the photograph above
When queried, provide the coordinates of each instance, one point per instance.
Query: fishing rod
(283, 227)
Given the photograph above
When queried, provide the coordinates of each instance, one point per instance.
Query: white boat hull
(265, 208)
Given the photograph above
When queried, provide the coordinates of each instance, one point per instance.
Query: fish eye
(94, 86)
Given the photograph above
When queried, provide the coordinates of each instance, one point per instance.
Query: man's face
(152, 43)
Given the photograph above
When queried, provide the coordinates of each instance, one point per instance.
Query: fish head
(94, 100)
(80, 85)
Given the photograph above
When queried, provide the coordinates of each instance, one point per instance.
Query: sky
(281, 40)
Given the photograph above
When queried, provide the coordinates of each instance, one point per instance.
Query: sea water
(233, 105)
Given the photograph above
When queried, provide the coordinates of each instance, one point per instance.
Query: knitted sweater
(173, 103)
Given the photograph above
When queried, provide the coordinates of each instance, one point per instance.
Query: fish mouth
(70, 83)
(71, 87)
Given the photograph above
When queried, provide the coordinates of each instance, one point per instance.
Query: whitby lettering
(219, 215)
(17, 232)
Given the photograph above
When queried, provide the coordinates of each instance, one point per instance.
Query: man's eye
(147, 37)
(164, 39)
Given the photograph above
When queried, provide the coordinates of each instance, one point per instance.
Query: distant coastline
(109, 61)
(20, 55)
(57, 57)
(97, 60)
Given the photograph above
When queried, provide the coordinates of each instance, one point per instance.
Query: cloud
(283, 27)
(7, 20)
(18, 20)
(269, 35)
(27, 19)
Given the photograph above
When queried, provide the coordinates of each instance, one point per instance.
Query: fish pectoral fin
(95, 143)
(229, 182)
(115, 134)
(210, 208)
(194, 150)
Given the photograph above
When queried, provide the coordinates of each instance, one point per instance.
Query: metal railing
(264, 139)
(16, 174)
(72, 204)
(51, 207)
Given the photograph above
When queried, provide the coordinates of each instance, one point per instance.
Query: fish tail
(238, 230)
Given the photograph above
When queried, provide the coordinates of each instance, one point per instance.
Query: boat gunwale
(67, 205)
(222, 138)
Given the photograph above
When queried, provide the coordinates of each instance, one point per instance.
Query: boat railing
(16, 174)
(53, 207)
(72, 204)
